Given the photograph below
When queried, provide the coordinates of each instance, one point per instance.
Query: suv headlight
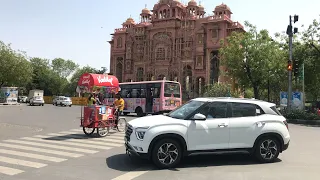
(140, 132)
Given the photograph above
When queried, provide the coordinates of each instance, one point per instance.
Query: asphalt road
(46, 142)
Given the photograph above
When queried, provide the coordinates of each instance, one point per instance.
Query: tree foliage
(15, 70)
(220, 90)
(254, 59)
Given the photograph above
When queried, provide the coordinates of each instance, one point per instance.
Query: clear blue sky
(79, 29)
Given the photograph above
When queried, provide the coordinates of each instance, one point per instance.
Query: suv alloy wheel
(166, 153)
(267, 149)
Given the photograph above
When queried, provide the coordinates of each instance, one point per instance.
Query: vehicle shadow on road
(122, 162)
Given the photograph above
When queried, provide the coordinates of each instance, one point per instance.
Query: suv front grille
(129, 131)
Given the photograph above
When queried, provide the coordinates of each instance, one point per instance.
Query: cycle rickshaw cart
(99, 117)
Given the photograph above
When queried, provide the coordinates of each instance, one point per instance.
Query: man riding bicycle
(118, 103)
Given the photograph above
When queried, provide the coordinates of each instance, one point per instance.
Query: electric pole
(290, 32)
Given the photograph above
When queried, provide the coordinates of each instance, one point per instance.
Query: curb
(300, 121)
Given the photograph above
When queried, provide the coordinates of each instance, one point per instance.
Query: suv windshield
(171, 88)
(185, 110)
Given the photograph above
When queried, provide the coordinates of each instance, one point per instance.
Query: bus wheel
(139, 111)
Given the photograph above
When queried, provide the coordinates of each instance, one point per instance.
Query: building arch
(140, 74)
(187, 84)
(173, 76)
(161, 77)
(150, 76)
(200, 86)
(119, 68)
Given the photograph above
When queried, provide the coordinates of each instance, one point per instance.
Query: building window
(199, 62)
(119, 42)
(200, 38)
(215, 33)
(160, 53)
(128, 65)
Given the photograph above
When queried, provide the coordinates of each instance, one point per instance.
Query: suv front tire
(167, 153)
(267, 149)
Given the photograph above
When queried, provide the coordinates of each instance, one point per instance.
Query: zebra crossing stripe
(21, 162)
(30, 155)
(41, 138)
(52, 146)
(64, 133)
(88, 142)
(61, 153)
(9, 171)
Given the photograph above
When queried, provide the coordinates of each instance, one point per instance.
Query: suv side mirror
(199, 116)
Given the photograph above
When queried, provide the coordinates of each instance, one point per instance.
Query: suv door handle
(222, 125)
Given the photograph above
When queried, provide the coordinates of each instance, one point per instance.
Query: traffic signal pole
(290, 69)
(290, 33)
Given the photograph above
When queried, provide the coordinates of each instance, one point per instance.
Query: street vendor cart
(96, 116)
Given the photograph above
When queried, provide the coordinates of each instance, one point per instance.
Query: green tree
(220, 90)
(252, 58)
(62, 67)
(311, 36)
(15, 69)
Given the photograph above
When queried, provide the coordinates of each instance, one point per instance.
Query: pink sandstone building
(173, 41)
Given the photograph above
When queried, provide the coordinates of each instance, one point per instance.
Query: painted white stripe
(9, 171)
(117, 134)
(88, 142)
(130, 175)
(82, 134)
(64, 141)
(21, 162)
(30, 155)
(107, 138)
(77, 130)
(41, 150)
(116, 137)
(52, 146)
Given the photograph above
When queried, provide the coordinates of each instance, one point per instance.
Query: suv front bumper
(130, 151)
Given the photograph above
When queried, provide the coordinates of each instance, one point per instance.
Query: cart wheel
(122, 124)
(88, 131)
(102, 130)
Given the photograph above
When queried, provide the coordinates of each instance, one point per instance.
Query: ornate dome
(129, 21)
(146, 11)
(201, 8)
(223, 6)
(192, 3)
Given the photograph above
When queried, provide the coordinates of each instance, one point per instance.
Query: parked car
(209, 125)
(64, 101)
(36, 100)
(22, 99)
(55, 99)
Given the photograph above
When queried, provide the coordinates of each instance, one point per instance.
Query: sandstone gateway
(173, 41)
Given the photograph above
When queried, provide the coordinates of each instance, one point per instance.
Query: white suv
(209, 125)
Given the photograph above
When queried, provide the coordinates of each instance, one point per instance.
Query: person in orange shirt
(119, 103)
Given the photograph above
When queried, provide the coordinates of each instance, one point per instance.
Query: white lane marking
(63, 142)
(30, 155)
(77, 133)
(21, 162)
(51, 146)
(116, 134)
(80, 140)
(9, 171)
(130, 175)
(41, 150)
(116, 137)
(77, 130)
(93, 139)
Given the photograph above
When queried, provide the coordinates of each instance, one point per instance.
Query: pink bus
(150, 97)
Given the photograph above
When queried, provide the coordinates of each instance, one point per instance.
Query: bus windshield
(171, 88)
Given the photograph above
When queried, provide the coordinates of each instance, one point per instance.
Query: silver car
(36, 100)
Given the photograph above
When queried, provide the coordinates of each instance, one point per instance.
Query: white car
(209, 125)
(36, 100)
(63, 101)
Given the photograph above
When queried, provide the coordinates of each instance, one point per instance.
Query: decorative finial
(200, 3)
(145, 6)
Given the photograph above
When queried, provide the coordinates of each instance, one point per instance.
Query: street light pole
(290, 33)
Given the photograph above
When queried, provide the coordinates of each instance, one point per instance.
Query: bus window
(171, 89)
